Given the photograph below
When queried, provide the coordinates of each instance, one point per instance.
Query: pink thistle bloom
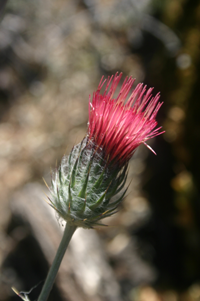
(119, 125)
(89, 184)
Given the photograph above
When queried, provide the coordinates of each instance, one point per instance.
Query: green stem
(68, 232)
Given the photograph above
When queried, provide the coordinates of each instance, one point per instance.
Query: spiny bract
(83, 186)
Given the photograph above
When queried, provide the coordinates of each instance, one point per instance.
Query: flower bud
(84, 184)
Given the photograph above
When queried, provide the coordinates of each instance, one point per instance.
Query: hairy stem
(68, 232)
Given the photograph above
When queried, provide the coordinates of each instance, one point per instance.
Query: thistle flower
(86, 186)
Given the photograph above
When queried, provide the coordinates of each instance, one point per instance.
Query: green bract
(85, 187)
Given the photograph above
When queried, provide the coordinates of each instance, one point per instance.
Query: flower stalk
(68, 232)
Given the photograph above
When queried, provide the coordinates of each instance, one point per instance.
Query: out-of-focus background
(52, 56)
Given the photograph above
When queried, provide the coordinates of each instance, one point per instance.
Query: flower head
(119, 125)
(84, 185)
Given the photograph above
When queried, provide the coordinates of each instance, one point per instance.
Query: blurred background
(52, 56)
